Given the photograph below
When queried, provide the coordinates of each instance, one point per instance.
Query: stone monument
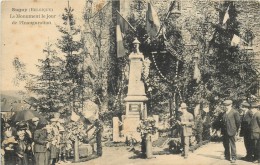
(136, 96)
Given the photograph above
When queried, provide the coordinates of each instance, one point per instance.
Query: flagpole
(126, 21)
(166, 17)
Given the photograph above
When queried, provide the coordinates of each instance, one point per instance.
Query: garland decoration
(165, 78)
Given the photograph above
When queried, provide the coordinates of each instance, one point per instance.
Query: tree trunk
(76, 149)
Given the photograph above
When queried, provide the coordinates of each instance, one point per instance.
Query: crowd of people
(33, 142)
(232, 123)
(247, 124)
(38, 143)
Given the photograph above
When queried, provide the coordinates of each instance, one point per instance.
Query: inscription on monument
(135, 107)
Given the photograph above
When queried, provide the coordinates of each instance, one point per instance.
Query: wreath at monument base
(147, 126)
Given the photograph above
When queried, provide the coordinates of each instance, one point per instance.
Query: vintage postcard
(120, 82)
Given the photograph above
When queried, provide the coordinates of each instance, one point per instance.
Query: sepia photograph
(130, 82)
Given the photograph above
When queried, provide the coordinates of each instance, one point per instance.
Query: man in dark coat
(255, 131)
(245, 130)
(230, 126)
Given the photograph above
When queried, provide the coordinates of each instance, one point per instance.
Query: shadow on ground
(137, 155)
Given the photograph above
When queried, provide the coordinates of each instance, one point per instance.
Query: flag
(123, 23)
(122, 26)
(74, 116)
(226, 16)
(152, 21)
(235, 40)
(206, 109)
(196, 110)
(90, 111)
(196, 74)
(120, 49)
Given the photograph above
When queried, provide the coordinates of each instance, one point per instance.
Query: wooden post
(76, 149)
(149, 151)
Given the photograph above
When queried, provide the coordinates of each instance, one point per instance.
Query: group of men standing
(231, 121)
(250, 130)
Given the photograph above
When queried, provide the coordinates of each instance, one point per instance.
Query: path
(209, 154)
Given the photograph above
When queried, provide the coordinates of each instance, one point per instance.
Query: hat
(54, 119)
(11, 140)
(254, 105)
(61, 129)
(227, 102)
(245, 104)
(21, 125)
(35, 119)
(183, 106)
(48, 127)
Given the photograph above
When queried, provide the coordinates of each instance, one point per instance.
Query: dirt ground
(209, 154)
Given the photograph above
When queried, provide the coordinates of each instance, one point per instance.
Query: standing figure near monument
(40, 146)
(186, 123)
(245, 131)
(255, 131)
(230, 126)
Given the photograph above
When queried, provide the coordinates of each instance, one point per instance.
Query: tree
(226, 71)
(96, 48)
(234, 76)
(20, 70)
(70, 45)
(47, 84)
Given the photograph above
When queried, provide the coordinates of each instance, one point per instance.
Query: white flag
(197, 110)
(235, 40)
(74, 116)
(196, 74)
(226, 16)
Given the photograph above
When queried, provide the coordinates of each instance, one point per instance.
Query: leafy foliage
(75, 129)
(20, 70)
(147, 126)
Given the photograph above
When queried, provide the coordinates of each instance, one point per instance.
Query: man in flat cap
(245, 130)
(255, 131)
(230, 126)
(186, 122)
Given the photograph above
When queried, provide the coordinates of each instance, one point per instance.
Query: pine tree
(47, 84)
(70, 46)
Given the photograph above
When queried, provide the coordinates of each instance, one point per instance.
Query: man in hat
(186, 123)
(230, 126)
(35, 124)
(255, 131)
(245, 130)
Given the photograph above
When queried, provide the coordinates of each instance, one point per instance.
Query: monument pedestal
(136, 96)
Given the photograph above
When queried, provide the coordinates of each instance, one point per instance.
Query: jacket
(245, 124)
(255, 126)
(40, 140)
(231, 123)
(186, 130)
